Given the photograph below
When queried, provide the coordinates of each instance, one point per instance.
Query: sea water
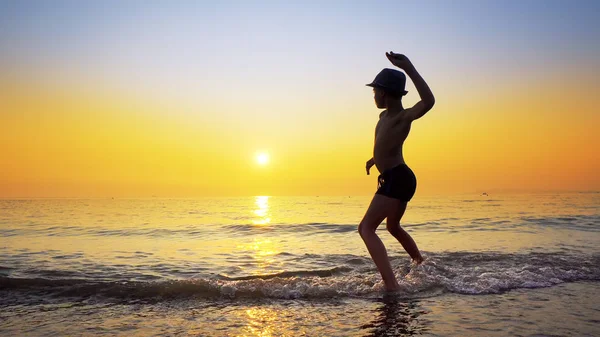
(496, 265)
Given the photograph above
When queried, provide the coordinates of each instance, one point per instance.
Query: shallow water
(496, 265)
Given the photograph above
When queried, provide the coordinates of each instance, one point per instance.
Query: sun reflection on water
(261, 322)
(262, 212)
(263, 252)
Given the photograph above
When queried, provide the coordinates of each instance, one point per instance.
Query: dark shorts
(398, 183)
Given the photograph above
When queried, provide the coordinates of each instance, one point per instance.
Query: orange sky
(78, 141)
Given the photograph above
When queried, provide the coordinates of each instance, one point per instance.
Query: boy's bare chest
(391, 126)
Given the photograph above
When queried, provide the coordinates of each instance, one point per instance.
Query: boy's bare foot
(418, 260)
(391, 287)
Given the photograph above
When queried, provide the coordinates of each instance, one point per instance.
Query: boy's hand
(370, 164)
(399, 60)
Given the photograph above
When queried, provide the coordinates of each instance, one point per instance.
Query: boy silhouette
(396, 183)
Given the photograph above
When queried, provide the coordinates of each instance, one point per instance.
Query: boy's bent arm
(427, 100)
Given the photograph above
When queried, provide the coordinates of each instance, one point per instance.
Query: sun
(262, 158)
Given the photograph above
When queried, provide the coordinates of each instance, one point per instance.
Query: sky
(178, 98)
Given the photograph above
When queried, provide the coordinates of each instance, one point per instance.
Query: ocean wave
(462, 273)
(523, 223)
(585, 223)
(189, 231)
(308, 228)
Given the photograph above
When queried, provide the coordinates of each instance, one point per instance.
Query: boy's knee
(393, 227)
(363, 229)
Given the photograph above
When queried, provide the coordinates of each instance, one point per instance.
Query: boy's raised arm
(427, 100)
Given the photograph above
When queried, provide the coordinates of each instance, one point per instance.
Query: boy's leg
(379, 209)
(393, 226)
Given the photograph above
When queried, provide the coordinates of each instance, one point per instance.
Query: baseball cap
(390, 79)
